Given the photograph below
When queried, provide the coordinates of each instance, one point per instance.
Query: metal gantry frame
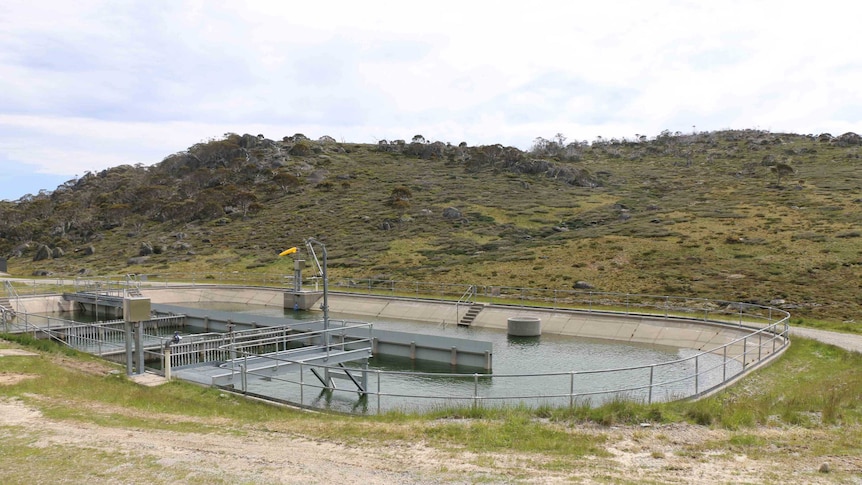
(325, 306)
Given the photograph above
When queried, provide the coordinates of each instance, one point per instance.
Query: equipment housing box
(136, 309)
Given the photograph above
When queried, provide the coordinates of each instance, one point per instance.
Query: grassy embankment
(813, 387)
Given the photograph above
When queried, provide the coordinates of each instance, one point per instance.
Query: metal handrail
(466, 298)
(742, 359)
(768, 337)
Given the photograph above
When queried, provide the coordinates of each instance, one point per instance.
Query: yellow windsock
(287, 251)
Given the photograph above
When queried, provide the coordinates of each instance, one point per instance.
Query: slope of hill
(739, 215)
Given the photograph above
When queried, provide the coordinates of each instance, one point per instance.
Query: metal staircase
(133, 285)
(472, 313)
(5, 302)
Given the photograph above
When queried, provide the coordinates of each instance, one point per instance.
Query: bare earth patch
(10, 378)
(675, 453)
(16, 352)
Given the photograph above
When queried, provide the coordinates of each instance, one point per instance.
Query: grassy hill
(737, 215)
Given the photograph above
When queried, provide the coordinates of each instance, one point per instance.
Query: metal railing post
(475, 390)
(242, 377)
(572, 389)
(651, 371)
(696, 374)
(759, 344)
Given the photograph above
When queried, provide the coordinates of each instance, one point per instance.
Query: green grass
(812, 387)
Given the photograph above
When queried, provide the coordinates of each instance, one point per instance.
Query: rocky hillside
(738, 215)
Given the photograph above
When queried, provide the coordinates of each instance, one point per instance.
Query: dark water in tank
(520, 370)
(554, 370)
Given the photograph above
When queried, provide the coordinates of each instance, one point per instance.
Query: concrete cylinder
(525, 326)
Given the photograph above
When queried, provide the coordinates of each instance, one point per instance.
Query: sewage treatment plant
(375, 346)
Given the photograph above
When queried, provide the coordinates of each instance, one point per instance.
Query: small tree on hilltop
(286, 181)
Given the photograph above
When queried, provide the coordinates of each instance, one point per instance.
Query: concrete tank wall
(41, 304)
(629, 328)
(203, 294)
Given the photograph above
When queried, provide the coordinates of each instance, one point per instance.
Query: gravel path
(846, 341)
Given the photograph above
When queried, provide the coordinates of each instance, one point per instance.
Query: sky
(89, 85)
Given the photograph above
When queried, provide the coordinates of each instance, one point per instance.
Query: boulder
(137, 260)
(848, 139)
(451, 213)
(146, 249)
(43, 253)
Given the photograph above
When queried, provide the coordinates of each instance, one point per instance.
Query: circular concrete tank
(525, 326)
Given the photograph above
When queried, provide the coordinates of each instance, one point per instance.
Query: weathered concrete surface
(41, 304)
(203, 294)
(629, 328)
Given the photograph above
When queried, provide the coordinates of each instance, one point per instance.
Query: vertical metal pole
(651, 370)
(127, 327)
(167, 364)
(301, 386)
(571, 389)
(759, 344)
(724, 369)
(378, 391)
(326, 302)
(744, 352)
(475, 389)
(696, 374)
(139, 346)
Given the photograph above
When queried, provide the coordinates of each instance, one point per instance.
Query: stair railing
(466, 299)
(12, 293)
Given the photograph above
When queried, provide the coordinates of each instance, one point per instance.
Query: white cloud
(93, 84)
